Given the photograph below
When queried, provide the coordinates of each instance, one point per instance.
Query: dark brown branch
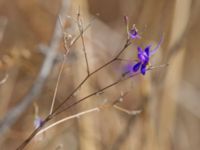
(91, 74)
(23, 145)
(90, 95)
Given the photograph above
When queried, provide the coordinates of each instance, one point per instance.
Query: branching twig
(96, 109)
(123, 78)
(60, 70)
(94, 93)
(108, 86)
(91, 74)
(49, 117)
(67, 49)
(58, 110)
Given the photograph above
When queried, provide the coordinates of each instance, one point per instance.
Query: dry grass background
(169, 97)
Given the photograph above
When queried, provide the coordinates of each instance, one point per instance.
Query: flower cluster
(143, 55)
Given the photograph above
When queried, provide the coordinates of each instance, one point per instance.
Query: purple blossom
(133, 33)
(143, 58)
(38, 122)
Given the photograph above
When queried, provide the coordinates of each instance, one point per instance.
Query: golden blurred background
(31, 50)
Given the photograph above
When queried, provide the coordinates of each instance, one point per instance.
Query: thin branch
(23, 145)
(74, 41)
(61, 68)
(91, 74)
(132, 112)
(96, 109)
(80, 27)
(94, 93)
(57, 84)
(67, 49)
(68, 118)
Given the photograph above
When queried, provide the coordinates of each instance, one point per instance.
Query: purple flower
(38, 122)
(143, 58)
(133, 33)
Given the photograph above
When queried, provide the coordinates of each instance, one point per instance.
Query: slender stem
(71, 94)
(23, 145)
(132, 112)
(80, 27)
(94, 93)
(57, 84)
(74, 41)
(68, 118)
(103, 106)
(62, 65)
(67, 49)
(61, 68)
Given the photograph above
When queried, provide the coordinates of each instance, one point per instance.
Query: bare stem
(61, 68)
(23, 145)
(67, 49)
(80, 27)
(57, 84)
(96, 109)
(132, 112)
(68, 118)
